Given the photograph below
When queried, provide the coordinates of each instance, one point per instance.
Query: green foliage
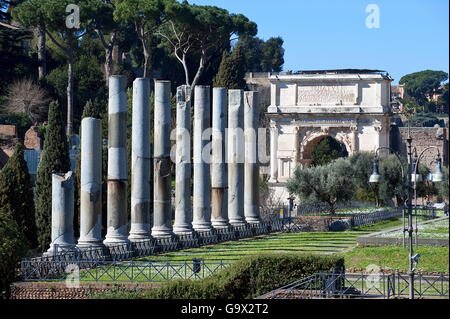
(13, 247)
(262, 56)
(245, 279)
(443, 100)
(13, 62)
(442, 187)
(411, 107)
(425, 120)
(87, 83)
(421, 85)
(390, 185)
(197, 34)
(327, 150)
(20, 120)
(16, 194)
(272, 55)
(329, 184)
(231, 71)
(362, 165)
(55, 159)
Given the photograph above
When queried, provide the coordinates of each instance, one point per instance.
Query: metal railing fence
(361, 285)
(118, 271)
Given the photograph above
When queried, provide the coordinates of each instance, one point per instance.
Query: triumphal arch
(351, 106)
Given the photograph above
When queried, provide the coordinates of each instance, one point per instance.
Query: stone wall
(49, 290)
(259, 81)
(422, 137)
(8, 130)
(8, 140)
(32, 140)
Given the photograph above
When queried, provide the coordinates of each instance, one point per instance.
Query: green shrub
(245, 279)
(12, 248)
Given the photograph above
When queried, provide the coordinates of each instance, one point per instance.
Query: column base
(140, 231)
(136, 237)
(111, 241)
(182, 229)
(253, 220)
(159, 232)
(116, 236)
(220, 223)
(84, 244)
(60, 248)
(202, 226)
(237, 223)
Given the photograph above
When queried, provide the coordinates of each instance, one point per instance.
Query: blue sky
(413, 35)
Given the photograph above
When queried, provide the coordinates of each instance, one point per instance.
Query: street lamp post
(435, 177)
(376, 177)
(412, 171)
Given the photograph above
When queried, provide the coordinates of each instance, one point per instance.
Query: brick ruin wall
(49, 290)
(422, 137)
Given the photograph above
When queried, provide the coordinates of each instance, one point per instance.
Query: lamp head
(375, 177)
(438, 176)
(416, 176)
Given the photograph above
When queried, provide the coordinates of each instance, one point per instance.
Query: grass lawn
(436, 229)
(307, 242)
(433, 259)
(396, 257)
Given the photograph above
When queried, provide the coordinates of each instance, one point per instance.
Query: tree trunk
(69, 129)
(42, 68)
(186, 70)
(109, 48)
(146, 62)
(200, 69)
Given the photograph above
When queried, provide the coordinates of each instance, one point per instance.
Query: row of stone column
(225, 192)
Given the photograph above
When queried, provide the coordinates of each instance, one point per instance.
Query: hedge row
(248, 278)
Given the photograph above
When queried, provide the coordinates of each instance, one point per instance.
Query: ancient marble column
(162, 221)
(251, 165)
(235, 158)
(91, 183)
(296, 145)
(273, 153)
(62, 213)
(354, 138)
(183, 211)
(140, 162)
(219, 182)
(117, 225)
(202, 179)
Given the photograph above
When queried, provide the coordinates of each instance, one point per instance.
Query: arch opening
(323, 150)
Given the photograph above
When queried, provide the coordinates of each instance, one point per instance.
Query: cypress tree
(231, 71)
(56, 159)
(16, 194)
